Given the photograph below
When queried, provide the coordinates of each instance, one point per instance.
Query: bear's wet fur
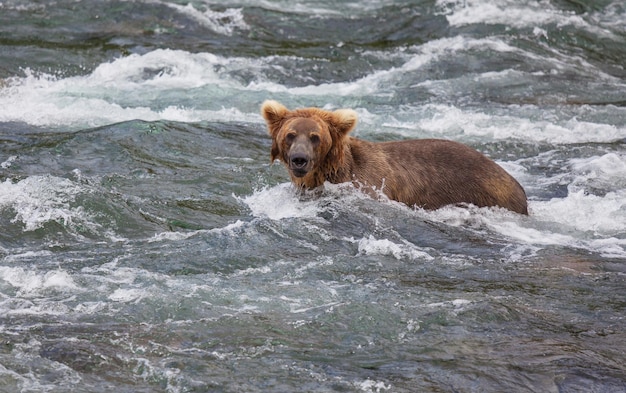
(427, 173)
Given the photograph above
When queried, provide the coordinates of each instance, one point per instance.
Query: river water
(147, 244)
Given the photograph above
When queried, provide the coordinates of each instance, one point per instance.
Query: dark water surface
(147, 244)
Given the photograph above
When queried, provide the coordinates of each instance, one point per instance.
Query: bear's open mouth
(299, 164)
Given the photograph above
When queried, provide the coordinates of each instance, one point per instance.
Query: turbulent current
(147, 244)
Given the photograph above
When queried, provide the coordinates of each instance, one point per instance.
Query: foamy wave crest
(447, 120)
(29, 283)
(599, 215)
(369, 386)
(597, 195)
(384, 82)
(372, 246)
(220, 22)
(160, 68)
(280, 202)
(230, 229)
(598, 226)
(160, 85)
(37, 200)
(512, 13)
(379, 82)
(177, 85)
(558, 233)
(606, 172)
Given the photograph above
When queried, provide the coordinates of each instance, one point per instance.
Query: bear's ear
(274, 113)
(344, 120)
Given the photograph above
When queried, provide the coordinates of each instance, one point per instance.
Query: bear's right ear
(274, 113)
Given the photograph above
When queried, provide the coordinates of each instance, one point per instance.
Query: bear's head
(309, 141)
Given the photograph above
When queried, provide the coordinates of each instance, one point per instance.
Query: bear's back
(431, 173)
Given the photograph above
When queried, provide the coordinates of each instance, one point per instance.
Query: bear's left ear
(344, 120)
(274, 113)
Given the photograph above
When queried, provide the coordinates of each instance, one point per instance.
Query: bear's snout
(298, 163)
(299, 160)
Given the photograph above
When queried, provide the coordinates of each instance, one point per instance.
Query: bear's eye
(315, 139)
(290, 137)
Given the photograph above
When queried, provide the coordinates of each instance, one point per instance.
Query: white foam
(225, 22)
(280, 202)
(253, 271)
(162, 69)
(600, 215)
(512, 13)
(606, 172)
(450, 121)
(442, 47)
(420, 56)
(594, 211)
(598, 224)
(530, 235)
(229, 229)
(372, 246)
(37, 200)
(7, 164)
(181, 86)
(378, 82)
(172, 377)
(30, 283)
(613, 15)
(370, 386)
(315, 8)
(556, 232)
(126, 295)
(296, 306)
(128, 88)
(456, 303)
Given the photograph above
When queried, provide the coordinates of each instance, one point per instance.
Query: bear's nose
(299, 160)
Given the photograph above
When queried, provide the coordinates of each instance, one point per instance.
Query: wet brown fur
(427, 173)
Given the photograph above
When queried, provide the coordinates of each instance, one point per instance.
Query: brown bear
(427, 173)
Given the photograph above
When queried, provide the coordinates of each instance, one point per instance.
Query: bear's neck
(311, 181)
